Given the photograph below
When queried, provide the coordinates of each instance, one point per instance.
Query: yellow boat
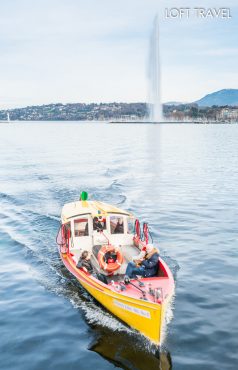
(99, 228)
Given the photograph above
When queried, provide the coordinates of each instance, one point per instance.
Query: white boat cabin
(92, 224)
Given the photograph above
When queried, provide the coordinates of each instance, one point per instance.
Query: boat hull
(145, 316)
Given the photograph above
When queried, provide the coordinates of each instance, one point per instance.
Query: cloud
(63, 51)
(222, 52)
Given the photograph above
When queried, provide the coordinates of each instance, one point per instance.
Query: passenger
(85, 263)
(102, 221)
(119, 229)
(148, 267)
(140, 257)
(97, 224)
(110, 256)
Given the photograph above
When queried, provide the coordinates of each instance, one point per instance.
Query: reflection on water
(125, 352)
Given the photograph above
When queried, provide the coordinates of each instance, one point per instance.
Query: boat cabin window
(130, 225)
(116, 225)
(81, 227)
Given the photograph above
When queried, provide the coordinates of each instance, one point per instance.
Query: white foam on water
(169, 314)
(96, 315)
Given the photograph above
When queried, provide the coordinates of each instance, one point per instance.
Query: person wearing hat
(149, 265)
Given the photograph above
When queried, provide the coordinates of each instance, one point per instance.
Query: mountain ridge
(220, 98)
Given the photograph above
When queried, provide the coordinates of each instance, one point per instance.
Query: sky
(72, 51)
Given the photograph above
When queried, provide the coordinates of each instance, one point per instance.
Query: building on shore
(230, 114)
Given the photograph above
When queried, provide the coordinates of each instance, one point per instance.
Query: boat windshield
(130, 225)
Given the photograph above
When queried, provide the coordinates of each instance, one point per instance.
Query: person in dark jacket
(148, 267)
(85, 264)
(110, 257)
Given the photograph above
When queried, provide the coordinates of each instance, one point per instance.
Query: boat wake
(168, 318)
(47, 269)
(95, 315)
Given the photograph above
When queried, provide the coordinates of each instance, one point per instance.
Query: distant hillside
(202, 109)
(174, 103)
(77, 112)
(220, 98)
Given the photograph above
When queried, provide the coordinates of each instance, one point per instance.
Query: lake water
(182, 179)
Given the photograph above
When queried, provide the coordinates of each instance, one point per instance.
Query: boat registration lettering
(137, 311)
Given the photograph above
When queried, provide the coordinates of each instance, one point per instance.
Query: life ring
(111, 266)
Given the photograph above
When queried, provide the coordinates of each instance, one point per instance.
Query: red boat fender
(139, 243)
(136, 240)
(146, 232)
(137, 234)
(110, 266)
(64, 240)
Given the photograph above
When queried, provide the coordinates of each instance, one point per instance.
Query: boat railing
(146, 233)
(62, 239)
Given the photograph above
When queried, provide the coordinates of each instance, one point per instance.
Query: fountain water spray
(155, 106)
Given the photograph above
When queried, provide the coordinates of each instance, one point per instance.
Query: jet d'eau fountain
(154, 104)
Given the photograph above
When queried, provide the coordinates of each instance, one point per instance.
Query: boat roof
(85, 207)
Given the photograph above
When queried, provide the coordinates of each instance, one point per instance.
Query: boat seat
(96, 249)
(129, 251)
(76, 253)
(96, 266)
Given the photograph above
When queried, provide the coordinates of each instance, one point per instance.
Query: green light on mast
(84, 195)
